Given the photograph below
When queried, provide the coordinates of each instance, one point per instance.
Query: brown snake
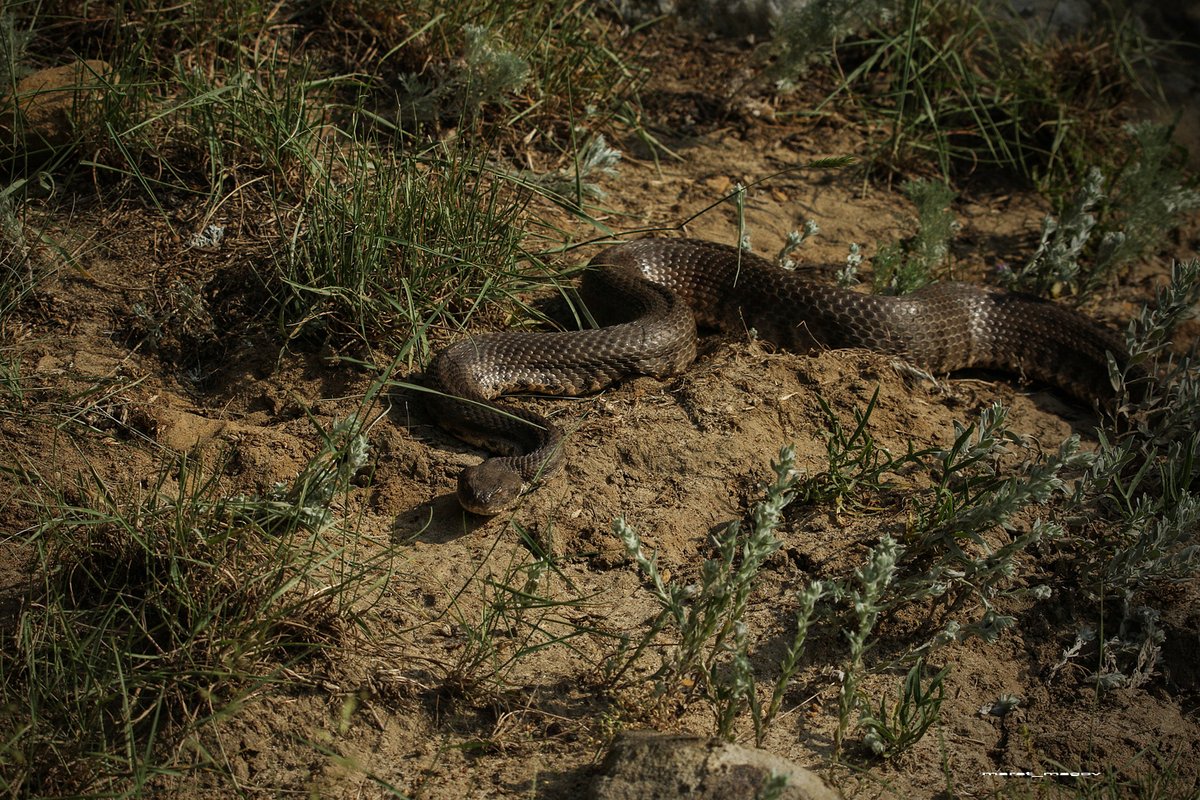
(656, 291)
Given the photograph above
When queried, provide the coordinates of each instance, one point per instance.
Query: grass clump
(528, 65)
(503, 618)
(212, 95)
(154, 610)
(18, 277)
(959, 83)
(384, 251)
(14, 39)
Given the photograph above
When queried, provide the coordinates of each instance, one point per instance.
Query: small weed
(1055, 266)
(573, 187)
(1149, 194)
(888, 733)
(907, 266)
(856, 463)
(794, 240)
(517, 617)
(806, 606)
(951, 556)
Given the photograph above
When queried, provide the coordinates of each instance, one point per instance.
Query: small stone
(718, 184)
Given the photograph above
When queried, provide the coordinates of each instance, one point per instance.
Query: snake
(652, 296)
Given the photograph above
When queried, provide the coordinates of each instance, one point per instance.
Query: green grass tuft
(384, 252)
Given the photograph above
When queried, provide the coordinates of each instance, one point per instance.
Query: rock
(648, 765)
(49, 106)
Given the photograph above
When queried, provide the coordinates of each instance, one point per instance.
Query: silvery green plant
(1151, 193)
(1124, 661)
(494, 70)
(1167, 407)
(972, 493)
(708, 616)
(794, 240)
(734, 690)
(1054, 266)
(1127, 660)
(571, 186)
(1145, 474)
(972, 496)
(847, 276)
(488, 74)
(936, 224)
(806, 606)
(1160, 545)
(907, 266)
(805, 32)
(866, 601)
(1002, 706)
(1129, 215)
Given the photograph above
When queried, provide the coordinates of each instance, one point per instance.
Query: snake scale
(655, 292)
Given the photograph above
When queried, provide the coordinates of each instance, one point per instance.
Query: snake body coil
(656, 291)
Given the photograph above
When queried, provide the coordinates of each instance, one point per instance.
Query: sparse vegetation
(274, 208)
(157, 610)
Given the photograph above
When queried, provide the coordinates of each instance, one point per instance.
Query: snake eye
(488, 488)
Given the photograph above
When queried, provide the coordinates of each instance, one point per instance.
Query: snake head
(488, 488)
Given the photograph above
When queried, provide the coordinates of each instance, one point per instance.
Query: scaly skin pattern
(652, 293)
